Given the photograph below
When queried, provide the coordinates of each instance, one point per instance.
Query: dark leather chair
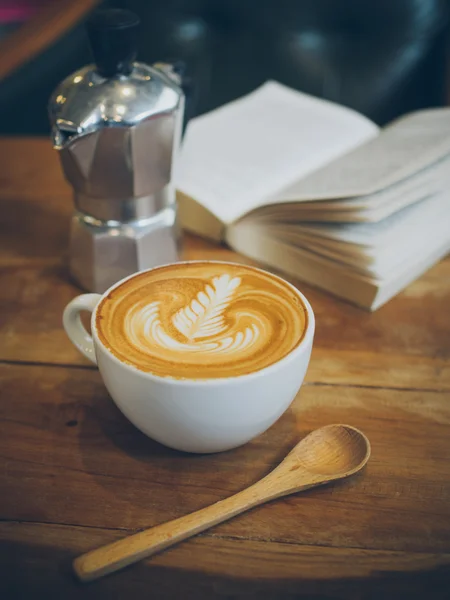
(381, 57)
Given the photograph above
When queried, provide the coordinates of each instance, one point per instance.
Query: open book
(319, 192)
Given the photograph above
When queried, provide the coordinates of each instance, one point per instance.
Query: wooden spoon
(327, 454)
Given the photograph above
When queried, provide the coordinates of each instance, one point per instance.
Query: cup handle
(74, 327)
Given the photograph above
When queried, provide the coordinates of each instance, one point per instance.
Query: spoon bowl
(334, 450)
(327, 454)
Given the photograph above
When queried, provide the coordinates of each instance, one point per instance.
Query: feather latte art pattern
(202, 323)
(203, 317)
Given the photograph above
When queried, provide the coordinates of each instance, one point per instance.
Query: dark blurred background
(381, 57)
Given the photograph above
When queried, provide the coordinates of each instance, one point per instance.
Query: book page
(373, 249)
(402, 149)
(374, 260)
(238, 156)
(371, 209)
(414, 220)
(431, 180)
(374, 238)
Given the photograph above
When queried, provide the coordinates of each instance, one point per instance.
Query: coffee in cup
(201, 320)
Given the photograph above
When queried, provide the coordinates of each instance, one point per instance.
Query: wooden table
(74, 473)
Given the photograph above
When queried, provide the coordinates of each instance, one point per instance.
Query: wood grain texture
(216, 567)
(74, 473)
(40, 32)
(69, 456)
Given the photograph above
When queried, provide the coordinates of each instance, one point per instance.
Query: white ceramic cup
(209, 415)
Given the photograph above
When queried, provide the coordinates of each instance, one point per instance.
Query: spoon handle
(115, 556)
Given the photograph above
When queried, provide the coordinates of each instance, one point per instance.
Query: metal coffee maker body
(117, 126)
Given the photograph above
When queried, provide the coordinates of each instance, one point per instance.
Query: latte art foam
(201, 320)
